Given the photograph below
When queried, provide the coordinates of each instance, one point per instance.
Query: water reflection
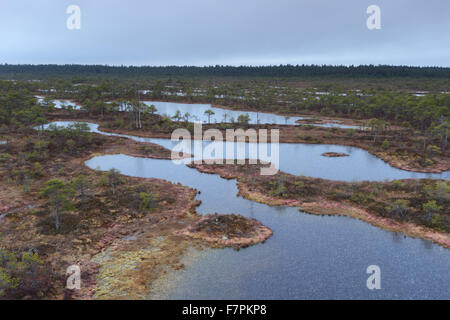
(308, 257)
(307, 159)
(198, 112)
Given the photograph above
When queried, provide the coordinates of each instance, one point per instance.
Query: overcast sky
(234, 32)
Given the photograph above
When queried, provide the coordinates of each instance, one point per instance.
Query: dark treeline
(8, 71)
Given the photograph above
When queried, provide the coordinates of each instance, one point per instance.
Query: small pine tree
(59, 194)
(114, 179)
(81, 185)
(385, 145)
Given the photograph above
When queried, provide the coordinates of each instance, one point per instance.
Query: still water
(197, 113)
(59, 104)
(308, 256)
(306, 159)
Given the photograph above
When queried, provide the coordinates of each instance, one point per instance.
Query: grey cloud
(202, 32)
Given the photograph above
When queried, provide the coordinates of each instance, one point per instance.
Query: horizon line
(224, 65)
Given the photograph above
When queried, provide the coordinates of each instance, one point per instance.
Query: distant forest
(8, 71)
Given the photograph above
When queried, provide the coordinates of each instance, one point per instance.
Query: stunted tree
(433, 150)
(442, 131)
(399, 207)
(186, 117)
(376, 127)
(442, 191)
(430, 208)
(21, 274)
(48, 103)
(138, 108)
(152, 109)
(149, 201)
(114, 179)
(40, 122)
(99, 108)
(59, 194)
(177, 116)
(243, 119)
(81, 185)
(209, 113)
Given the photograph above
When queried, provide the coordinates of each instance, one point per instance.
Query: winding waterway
(196, 112)
(308, 256)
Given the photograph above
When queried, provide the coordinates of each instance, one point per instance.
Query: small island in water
(334, 154)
